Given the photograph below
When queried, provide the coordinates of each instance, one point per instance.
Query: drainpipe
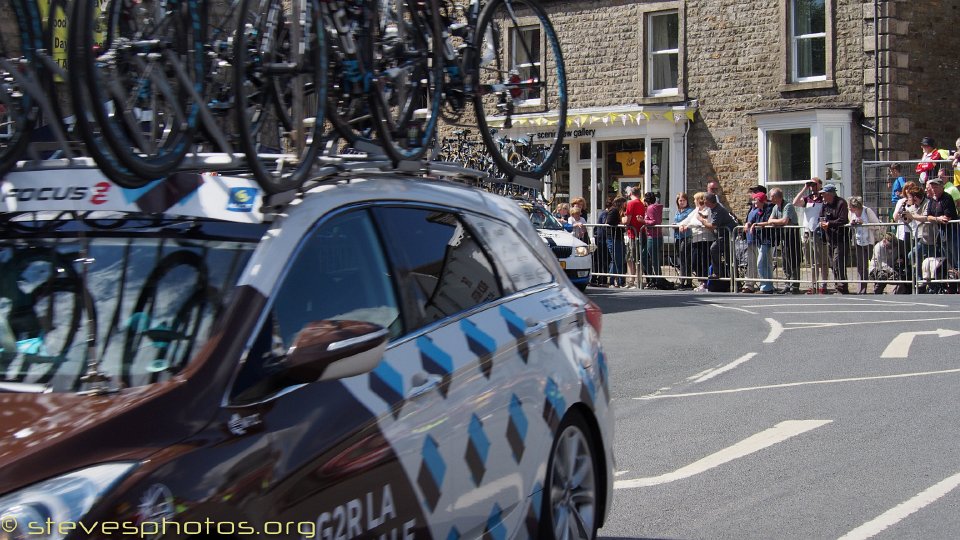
(876, 79)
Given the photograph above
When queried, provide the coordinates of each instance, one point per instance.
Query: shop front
(624, 146)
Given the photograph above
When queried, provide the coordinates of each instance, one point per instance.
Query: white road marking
(899, 346)
(901, 511)
(723, 369)
(721, 306)
(620, 473)
(796, 305)
(775, 330)
(802, 383)
(855, 323)
(701, 374)
(754, 443)
(871, 311)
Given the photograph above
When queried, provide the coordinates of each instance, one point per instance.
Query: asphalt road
(772, 417)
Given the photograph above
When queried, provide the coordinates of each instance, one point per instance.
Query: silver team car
(383, 357)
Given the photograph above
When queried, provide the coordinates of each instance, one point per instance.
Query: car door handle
(534, 327)
(423, 383)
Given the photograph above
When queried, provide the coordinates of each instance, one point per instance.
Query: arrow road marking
(900, 346)
(754, 443)
(901, 511)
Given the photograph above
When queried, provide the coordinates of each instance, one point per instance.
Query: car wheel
(571, 497)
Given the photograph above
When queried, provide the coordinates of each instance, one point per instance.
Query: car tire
(571, 494)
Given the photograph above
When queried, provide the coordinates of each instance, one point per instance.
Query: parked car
(384, 356)
(574, 255)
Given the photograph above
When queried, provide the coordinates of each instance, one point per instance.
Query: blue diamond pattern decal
(602, 363)
(554, 405)
(481, 344)
(588, 391)
(454, 534)
(516, 428)
(477, 447)
(518, 329)
(533, 511)
(436, 361)
(432, 471)
(388, 384)
(495, 529)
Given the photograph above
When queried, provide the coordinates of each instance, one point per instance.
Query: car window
(339, 273)
(541, 217)
(520, 266)
(440, 265)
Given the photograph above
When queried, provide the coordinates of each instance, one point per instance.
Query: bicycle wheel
(280, 80)
(165, 312)
(18, 110)
(60, 307)
(87, 126)
(407, 72)
(511, 71)
(348, 108)
(142, 80)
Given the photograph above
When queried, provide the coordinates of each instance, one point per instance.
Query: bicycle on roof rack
(152, 81)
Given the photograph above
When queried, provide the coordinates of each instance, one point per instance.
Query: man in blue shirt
(897, 192)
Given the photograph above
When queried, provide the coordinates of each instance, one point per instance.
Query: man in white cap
(834, 217)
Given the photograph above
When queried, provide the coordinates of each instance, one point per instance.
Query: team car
(574, 255)
(381, 357)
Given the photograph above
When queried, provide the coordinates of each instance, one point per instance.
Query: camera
(811, 185)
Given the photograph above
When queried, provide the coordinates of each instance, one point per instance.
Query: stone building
(673, 93)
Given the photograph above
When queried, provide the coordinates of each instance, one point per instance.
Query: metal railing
(869, 258)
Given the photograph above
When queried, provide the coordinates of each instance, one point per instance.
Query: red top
(635, 210)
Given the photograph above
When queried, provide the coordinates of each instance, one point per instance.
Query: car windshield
(541, 217)
(139, 295)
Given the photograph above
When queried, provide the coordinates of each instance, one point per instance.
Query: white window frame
(817, 121)
(652, 53)
(795, 41)
(515, 39)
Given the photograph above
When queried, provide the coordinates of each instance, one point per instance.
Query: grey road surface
(768, 417)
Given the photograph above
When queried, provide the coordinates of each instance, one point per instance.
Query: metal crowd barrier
(911, 258)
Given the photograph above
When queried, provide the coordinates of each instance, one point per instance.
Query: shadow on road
(613, 301)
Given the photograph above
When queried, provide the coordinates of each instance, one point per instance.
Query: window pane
(788, 155)
(664, 71)
(525, 57)
(809, 17)
(520, 267)
(438, 262)
(663, 51)
(833, 148)
(811, 57)
(339, 274)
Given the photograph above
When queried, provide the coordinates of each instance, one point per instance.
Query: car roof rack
(214, 185)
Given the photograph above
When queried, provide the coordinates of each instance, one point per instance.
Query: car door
(333, 473)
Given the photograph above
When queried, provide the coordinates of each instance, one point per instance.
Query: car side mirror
(333, 349)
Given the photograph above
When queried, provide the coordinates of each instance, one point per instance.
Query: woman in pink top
(653, 257)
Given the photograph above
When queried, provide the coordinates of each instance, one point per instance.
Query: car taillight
(594, 316)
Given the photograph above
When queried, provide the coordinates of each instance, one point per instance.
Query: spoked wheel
(18, 110)
(407, 71)
(349, 109)
(142, 81)
(571, 494)
(515, 76)
(280, 72)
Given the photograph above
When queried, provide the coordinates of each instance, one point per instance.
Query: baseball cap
(759, 196)
(829, 188)
(935, 180)
(757, 189)
(928, 141)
